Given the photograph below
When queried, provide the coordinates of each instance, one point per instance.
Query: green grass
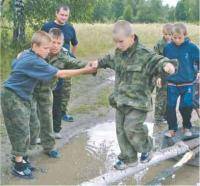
(101, 101)
(83, 109)
(94, 41)
(102, 98)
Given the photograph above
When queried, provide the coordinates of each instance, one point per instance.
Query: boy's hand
(94, 63)
(159, 83)
(169, 68)
(90, 69)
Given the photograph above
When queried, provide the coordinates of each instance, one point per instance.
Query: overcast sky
(170, 2)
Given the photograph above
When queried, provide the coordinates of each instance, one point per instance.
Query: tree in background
(117, 8)
(128, 11)
(187, 10)
(38, 12)
(18, 22)
(181, 11)
(150, 11)
(102, 11)
(16, 13)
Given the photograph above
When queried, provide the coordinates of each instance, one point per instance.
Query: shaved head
(123, 27)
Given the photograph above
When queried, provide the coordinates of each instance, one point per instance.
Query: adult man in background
(63, 87)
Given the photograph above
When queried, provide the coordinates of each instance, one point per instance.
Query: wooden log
(158, 179)
(114, 176)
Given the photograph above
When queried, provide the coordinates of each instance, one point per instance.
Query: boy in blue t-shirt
(27, 71)
(181, 83)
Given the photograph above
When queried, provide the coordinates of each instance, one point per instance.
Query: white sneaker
(57, 135)
(187, 132)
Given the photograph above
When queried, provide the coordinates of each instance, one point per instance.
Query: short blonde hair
(179, 28)
(124, 27)
(167, 28)
(56, 33)
(40, 37)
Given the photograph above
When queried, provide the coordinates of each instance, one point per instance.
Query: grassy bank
(96, 39)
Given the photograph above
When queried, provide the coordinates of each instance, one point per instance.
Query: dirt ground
(89, 106)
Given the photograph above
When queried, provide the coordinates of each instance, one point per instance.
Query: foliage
(102, 11)
(187, 10)
(128, 13)
(37, 12)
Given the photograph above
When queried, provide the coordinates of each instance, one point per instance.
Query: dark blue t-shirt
(27, 70)
(68, 31)
(188, 55)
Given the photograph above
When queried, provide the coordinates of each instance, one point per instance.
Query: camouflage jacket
(134, 70)
(159, 47)
(62, 61)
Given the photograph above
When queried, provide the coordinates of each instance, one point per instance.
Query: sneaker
(187, 132)
(20, 170)
(170, 133)
(57, 135)
(120, 165)
(54, 153)
(68, 118)
(28, 163)
(145, 157)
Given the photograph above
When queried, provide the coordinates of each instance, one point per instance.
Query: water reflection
(102, 142)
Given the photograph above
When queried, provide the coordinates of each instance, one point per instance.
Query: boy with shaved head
(135, 66)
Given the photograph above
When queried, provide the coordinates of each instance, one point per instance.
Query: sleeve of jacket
(156, 63)
(72, 63)
(196, 55)
(157, 48)
(107, 61)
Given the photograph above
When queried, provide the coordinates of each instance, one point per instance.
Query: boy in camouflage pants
(135, 66)
(51, 124)
(16, 97)
(161, 87)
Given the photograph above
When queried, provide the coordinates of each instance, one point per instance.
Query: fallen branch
(170, 171)
(114, 176)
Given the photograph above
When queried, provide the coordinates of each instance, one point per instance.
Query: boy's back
(26, 71)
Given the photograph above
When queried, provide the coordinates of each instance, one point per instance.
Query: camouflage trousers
(61, 97)
(16, 113)
(160, 104)
(34, 123)
(44, 98)
(132, 134)
(57, 112)
(65, 94)
(196, 98)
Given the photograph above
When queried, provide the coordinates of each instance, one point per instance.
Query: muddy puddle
(93, 153)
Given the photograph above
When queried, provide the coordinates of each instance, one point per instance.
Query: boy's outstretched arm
(88, 69)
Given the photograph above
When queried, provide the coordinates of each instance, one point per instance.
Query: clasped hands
(91, 67)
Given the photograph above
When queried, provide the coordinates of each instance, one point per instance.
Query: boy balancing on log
(135, 66)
